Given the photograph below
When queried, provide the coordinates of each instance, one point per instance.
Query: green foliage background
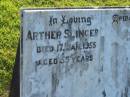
(10, 29)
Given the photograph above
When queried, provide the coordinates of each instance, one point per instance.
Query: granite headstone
(75, 53)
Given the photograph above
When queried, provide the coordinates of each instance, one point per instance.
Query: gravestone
(75, 52)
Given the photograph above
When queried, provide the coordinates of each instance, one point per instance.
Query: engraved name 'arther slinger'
(67, 33)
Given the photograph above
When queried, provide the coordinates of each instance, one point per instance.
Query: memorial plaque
(75, 53)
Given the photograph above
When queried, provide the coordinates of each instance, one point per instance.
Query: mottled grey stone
(75, 53)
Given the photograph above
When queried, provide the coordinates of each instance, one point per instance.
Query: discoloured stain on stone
(55, 82)
(104, 93)
(128, 76)
(101, 54)
(115, 63)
